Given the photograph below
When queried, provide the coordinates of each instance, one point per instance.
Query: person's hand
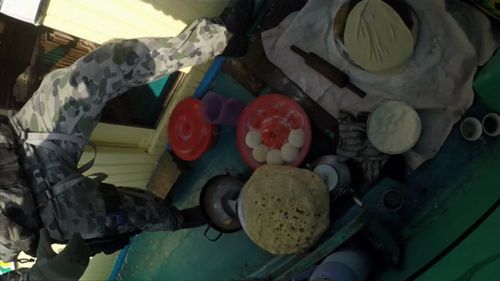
(69, 265)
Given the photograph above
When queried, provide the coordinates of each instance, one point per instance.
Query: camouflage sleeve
(12, 276)
(12, 240)
(70, 100)
(117, 66)
(18, 275)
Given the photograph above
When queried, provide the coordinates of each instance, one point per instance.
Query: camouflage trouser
(69, 102)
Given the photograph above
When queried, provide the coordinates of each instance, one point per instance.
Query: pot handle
(209, 238)
(233, 173)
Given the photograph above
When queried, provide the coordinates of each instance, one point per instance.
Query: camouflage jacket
(19, 221)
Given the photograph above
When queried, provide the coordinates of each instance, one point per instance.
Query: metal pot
(218, 201)
(240, 212)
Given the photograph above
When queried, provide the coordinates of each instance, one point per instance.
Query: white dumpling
(289, 152)
(297, 138)
(253, 139)
(274, 157)
(259, 153)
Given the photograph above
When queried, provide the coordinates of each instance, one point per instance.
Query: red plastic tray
(274, 116)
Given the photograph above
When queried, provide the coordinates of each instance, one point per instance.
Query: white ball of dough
(297, 138)
(289, 153)
(253, 139)
(274, 157)
(260, 152)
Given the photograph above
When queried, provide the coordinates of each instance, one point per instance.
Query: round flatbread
(376, 38)
(285, 209)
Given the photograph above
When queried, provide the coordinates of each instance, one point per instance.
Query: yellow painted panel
(102, 20)
(122, 136)
(129, 155)
(124, 166)
(114, 156)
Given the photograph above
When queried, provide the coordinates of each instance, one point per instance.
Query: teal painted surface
(187, 255)
(157, 87)
(486, 83)
(462, 183)
(148, 101)
(49, 59)
(476, 259)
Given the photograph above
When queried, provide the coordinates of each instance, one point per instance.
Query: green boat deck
(446, 196)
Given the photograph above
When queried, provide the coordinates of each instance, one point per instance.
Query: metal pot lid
(219, 201)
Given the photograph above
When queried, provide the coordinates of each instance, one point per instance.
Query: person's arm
(13, 239)
(70, 100)
(68, 265)
(18, 275)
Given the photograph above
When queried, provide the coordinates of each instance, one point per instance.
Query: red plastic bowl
(274, 116)
(189, 135)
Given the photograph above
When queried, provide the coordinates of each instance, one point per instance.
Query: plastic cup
(491, 125)
(221, 110)
(471, 129)
(349, 264)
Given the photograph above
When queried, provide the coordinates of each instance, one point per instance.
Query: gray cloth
(354, 144)
(453, 39)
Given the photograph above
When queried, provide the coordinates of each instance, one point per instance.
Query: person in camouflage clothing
(56, 123)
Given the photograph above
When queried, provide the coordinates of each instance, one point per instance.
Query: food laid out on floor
(443, 42)
(274, 129)
(284, 210)
(376, 38)
(412, 82)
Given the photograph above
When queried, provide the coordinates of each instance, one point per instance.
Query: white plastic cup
(471, 129)
(491, 124)
(352, 263)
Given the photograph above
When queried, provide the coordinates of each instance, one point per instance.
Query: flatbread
(285, 209)
(376, 38)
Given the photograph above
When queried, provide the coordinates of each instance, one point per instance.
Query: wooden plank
(164, 176)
